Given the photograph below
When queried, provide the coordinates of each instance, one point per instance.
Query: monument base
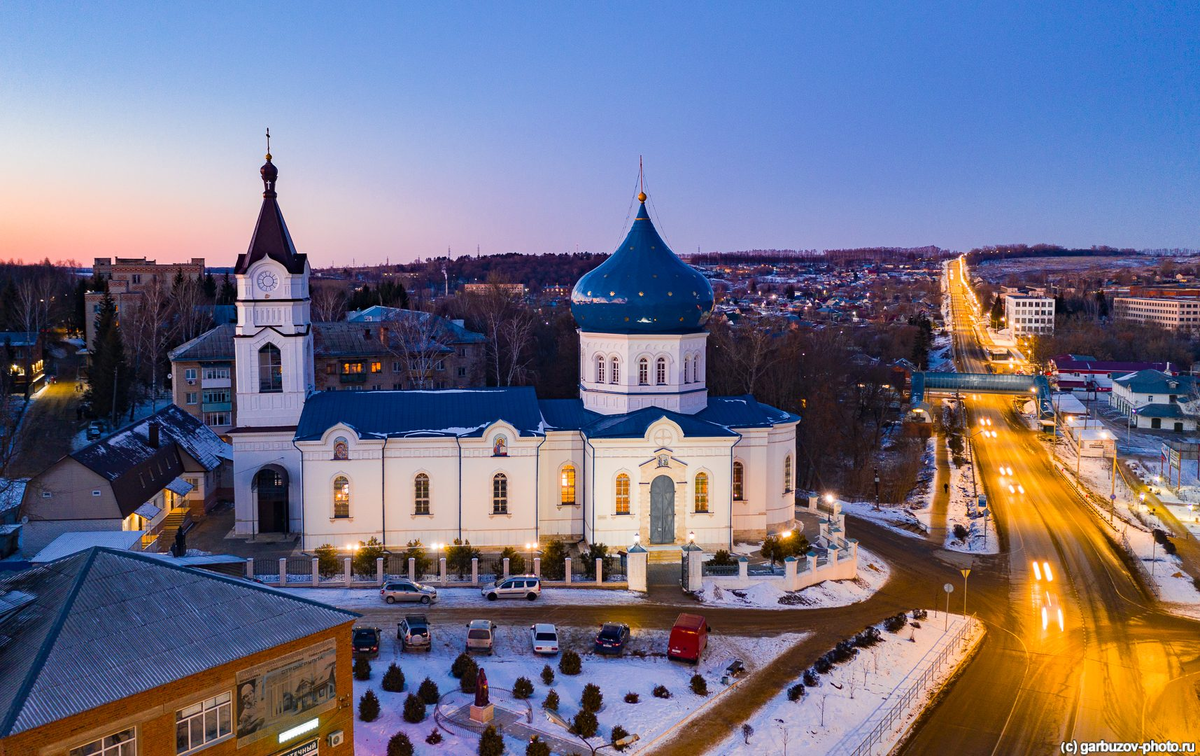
(483, 714)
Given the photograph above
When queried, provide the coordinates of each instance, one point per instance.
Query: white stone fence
(304, 572)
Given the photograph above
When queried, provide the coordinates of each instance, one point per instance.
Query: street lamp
(529, 564)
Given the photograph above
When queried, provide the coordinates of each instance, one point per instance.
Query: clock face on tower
(267, 281)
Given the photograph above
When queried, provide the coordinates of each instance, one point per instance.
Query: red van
(689, 637)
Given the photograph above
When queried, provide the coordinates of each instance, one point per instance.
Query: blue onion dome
(642, 288)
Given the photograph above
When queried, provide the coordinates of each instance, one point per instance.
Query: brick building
(127, 278)
(213, 664)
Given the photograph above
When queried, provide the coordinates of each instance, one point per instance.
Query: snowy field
(837, 714)
(639, 670)
(901, 519)
(873, 572)
(368, 598)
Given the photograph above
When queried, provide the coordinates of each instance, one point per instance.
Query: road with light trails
(1117, 667)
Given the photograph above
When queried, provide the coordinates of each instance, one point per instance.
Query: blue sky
(404, 129)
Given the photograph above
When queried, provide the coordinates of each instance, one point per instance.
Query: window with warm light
(787, 474)
(702, 492)
(341, 496)
(622, 494)
(739, 478)
(421, 494)
(567, 486)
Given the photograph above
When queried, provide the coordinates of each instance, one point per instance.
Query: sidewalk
(941, 493)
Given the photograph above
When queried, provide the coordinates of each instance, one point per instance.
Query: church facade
(643, 454)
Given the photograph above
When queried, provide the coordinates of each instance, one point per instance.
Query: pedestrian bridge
(981, 383)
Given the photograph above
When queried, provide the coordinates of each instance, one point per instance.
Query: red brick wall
(153, 712)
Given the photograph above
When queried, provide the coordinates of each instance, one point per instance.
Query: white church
(644, 453)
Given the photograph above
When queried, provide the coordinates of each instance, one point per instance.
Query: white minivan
(520, 586)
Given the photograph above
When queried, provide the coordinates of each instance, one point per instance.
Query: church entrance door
(271, 485)
(662, 510)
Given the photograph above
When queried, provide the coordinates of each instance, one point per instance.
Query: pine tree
(228, 292)
(210, 287)
(110, 376)
(491, 743)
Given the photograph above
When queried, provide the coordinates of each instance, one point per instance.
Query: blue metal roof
(444, 412)
(722, 413)
(634, 425)
(566, 414)
(744, 412)
(642, 288)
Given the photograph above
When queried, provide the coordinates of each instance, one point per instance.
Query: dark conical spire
(271, 237)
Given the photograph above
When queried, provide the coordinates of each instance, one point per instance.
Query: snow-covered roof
(74, 542)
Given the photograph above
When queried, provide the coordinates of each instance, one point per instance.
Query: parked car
(95, 430)
(481, 635)
(413, 633)
(402, 589)
(365, 641)
(544, 638)
(521, 586)
(689, 638)
(611, 638)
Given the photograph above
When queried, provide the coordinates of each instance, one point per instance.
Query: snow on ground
(1134, 521)
(962, 509)
(837, 715)
(642, 667)
(900, 519)
(873, 572)
(360, 598)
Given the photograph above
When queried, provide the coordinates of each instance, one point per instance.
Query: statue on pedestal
(481, 688)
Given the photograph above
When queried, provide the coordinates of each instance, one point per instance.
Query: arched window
(643, 372)
(701, 492)
(787, 474)
(567, 486)
(739, 481)
(499, 494)
(341, 496)
(687, 369)
(421, 494)
(622, 503)
(599, 369)
(270, 370)
(696, 376)
(341, 450)
(660, 372)
(614, 374)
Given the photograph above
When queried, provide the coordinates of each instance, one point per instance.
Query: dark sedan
(365, 641)
(611, 638)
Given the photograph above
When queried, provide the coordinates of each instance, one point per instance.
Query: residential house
(212, 664)
(155, 476)
(22, 350)
(1077, 372)
(379, 348)
(127, 278)
(1155, 399)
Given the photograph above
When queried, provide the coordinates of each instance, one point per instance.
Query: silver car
(520, 586)
(481, 635)
(407, 590)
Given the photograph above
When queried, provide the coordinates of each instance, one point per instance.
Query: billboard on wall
(275, 692)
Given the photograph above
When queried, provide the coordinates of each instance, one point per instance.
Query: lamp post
(529, 564)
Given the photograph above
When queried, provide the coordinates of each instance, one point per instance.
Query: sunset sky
(402, 129)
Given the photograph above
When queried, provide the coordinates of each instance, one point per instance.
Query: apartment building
(1026, 315)
(127, 277)
(1172, 313)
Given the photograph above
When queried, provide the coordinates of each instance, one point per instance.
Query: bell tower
(273, 339)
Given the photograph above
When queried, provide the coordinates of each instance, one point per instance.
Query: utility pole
(876, 489)
(113, 409)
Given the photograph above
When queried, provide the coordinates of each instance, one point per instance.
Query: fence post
(812, 561)
(346, 571)
(599, 571)
(537, 566)
(442, 569)
(790, 581)
(475, 570)
(283, 570)
(567, 570)
(379, 570)
(833, 553)
(635, 569)
(412, 569)
(505, 566)
(743, 568)
(250, 568)
(316, 572)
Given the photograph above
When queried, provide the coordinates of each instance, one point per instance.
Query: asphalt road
(1118, 668)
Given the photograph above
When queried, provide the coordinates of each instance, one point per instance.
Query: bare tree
(328, 304)
(153, 328)
(191, 316)
(418, 341)
(509, 327)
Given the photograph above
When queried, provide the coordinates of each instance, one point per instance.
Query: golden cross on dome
(641, 181)
(268, 143)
